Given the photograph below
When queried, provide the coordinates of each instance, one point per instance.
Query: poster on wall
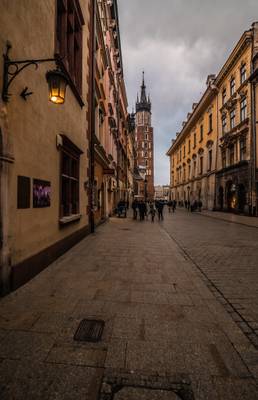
(41, 193)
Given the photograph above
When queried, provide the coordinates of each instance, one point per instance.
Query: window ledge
(69, 219)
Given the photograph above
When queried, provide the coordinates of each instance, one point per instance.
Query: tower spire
(144, 103)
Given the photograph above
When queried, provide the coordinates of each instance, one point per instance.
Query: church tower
(144, 141)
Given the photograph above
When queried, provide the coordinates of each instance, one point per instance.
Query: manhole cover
(89, 330)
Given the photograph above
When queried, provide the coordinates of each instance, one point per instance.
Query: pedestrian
(169, 206)
(173, 205)
(200, 205)
(159, 207)
(134, 207)
(152, 212)
(142, 209)
(188, 205)
(185, 203)
(147, 210)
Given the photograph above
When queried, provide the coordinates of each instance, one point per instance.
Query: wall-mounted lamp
(57, 80)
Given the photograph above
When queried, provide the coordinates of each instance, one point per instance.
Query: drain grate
(89, 330)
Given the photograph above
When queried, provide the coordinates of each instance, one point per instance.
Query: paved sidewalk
(166, 336)
(228, 217)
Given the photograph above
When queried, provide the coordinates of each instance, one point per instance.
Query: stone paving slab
(167, 333)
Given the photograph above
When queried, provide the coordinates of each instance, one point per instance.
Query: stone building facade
(112, 139)
(213, 158)
(44, 158)
(144, 144)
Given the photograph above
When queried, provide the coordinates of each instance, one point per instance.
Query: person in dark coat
(160, 207)
(134, 207)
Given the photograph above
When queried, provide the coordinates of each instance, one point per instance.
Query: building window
(69, 39)
(243, 109)
(224, 159)
(243, 73)
(232, 118)
(201, 165)
(184, 176)
(70, 169)
(210, 123)
(242, 149)
(189, 171)
(194, 141)
(232, 86)
(201, 133)
(231, 155)
(180, 155)
(210, 160)
(194, 169)
(224, 123)
(146, 154)
(224, 96)
(146, 163)
(189, 146)
(184, 151)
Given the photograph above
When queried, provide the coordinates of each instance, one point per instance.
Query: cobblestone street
(226, 253)
(168, 330)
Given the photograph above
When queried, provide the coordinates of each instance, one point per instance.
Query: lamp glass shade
(57, 82)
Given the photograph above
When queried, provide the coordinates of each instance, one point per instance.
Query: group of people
(145, 208)
(190, 206)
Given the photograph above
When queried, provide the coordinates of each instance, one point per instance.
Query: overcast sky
(177, 43)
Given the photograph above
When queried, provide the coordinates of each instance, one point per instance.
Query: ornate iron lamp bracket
(13, 68)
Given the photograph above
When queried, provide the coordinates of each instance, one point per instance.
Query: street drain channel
(138, 386)
(89, 330)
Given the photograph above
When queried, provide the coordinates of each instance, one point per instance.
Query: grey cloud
(178, 43)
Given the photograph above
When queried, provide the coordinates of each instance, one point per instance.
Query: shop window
(69, 24)
(70, 171)
(23, 192)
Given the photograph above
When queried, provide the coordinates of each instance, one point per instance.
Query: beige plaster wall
(35, 123)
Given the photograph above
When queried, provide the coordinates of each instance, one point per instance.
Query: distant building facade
(145, 143)
(162, 192)
(214, 157)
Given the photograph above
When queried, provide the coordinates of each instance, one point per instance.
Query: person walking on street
(173, 205)
(152, 212)
(169, 206)
(134, 207)
(160, 207)
(200, 205)
(142, 210)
